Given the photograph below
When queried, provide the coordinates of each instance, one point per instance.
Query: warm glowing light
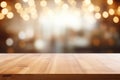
(115, 19)
(105, 14)
(61, 21)
(4, 11)
(9, 42)
(91, 8)
(25, 0)
(34, 15)
(57, 1)
(110, 2)
(72, 2)
(72, 21)
(3, 4)
(87, 2)
(18, 6)
(25, 17)
(118, 10)
(10, 15)
(111, 11)
(2, 16)
(39, 44)
(43, 3)
(97, 8)
(89, 20)
(22, 35)
(31, 3)
(97, 15)
(65, 6)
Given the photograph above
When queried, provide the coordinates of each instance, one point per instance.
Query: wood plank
(59, 63)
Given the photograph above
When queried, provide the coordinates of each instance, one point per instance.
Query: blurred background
(59, 26)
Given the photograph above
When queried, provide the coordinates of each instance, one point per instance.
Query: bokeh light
(22, 35)
(2, 16)
(18, 6)
(105, 14)
(116, 19)
(4, 11)
(97, 15)
(59, 26)
(111, 11)
(43, 3)
(10, 15)
(3, 4)
(9, 42)
(110, 2)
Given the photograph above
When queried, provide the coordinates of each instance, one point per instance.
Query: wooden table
(67, 64)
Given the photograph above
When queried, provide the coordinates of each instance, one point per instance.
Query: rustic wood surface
(59, 63)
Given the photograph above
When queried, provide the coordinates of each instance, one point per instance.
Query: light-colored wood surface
(59, 63)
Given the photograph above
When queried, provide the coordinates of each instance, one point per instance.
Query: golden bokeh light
(57, 1)
(18, 6)
(10, 15)
(2, 16)
(43, 3)
(91, 8)
(87, 2)
(25, 17)
(3, 4)
(118, 11)
(97, 8)
(115, 19)
(105, 14)
(111, 11)
(97, 15)
(31, 3)
(4, 11)
(109, 2)
(25, 0)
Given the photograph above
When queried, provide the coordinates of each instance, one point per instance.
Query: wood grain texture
(59, 63)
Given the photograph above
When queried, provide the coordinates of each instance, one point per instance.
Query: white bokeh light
(9, 42)
(39, 44)
(62, 20)
(22, 35)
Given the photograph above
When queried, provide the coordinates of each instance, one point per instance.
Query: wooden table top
(59, 63)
